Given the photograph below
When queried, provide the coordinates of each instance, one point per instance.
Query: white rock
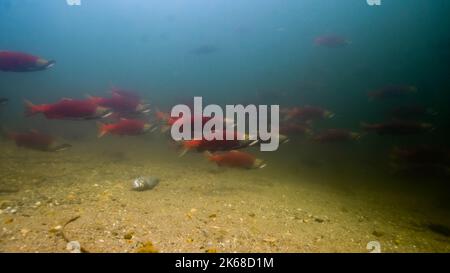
(74, 247)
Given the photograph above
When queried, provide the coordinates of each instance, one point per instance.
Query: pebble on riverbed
(73, 247)
(147, 247)
(144, 183)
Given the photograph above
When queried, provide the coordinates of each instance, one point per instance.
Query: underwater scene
(357, 92)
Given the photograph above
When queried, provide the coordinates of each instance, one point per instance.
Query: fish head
(42, 64)
(259, 164)
(283, 138)
(103, 112)
(355, 136)
(143, 108)
(329, 114)
(427, 126)
(147, 127)
(412, 89)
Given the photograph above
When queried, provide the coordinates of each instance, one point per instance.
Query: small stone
(56, 229)
(377, 233)
(128, 236)
(212, 215)
(73, 247)
(270, 240)
(5, 204)
(251, 214)
(24, 231)
(320, 219)
(147, 247)
(71, 197)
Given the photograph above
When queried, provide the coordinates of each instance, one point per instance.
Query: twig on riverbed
(82, 249)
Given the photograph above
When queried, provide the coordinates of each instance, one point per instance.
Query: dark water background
(249, 51)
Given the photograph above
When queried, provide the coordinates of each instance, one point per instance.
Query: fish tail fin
(102, 129)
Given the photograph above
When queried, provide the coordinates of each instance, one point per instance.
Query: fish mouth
(49, 64)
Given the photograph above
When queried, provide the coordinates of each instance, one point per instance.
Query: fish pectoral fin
(61, 147)
(183, 152)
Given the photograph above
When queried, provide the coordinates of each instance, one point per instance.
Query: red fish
(122, 102)
(307, 114)
(411, 112)
(22, 62)
(336, 135)
(124, 127)
(331, 41)
(125, 93)
(391, 92)
(167, 121)
(216, 144)
(398, 127)
(36, 141)
(193, 119)
(423, 160)
(235, 159)
(422, 154)
(68, 109)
